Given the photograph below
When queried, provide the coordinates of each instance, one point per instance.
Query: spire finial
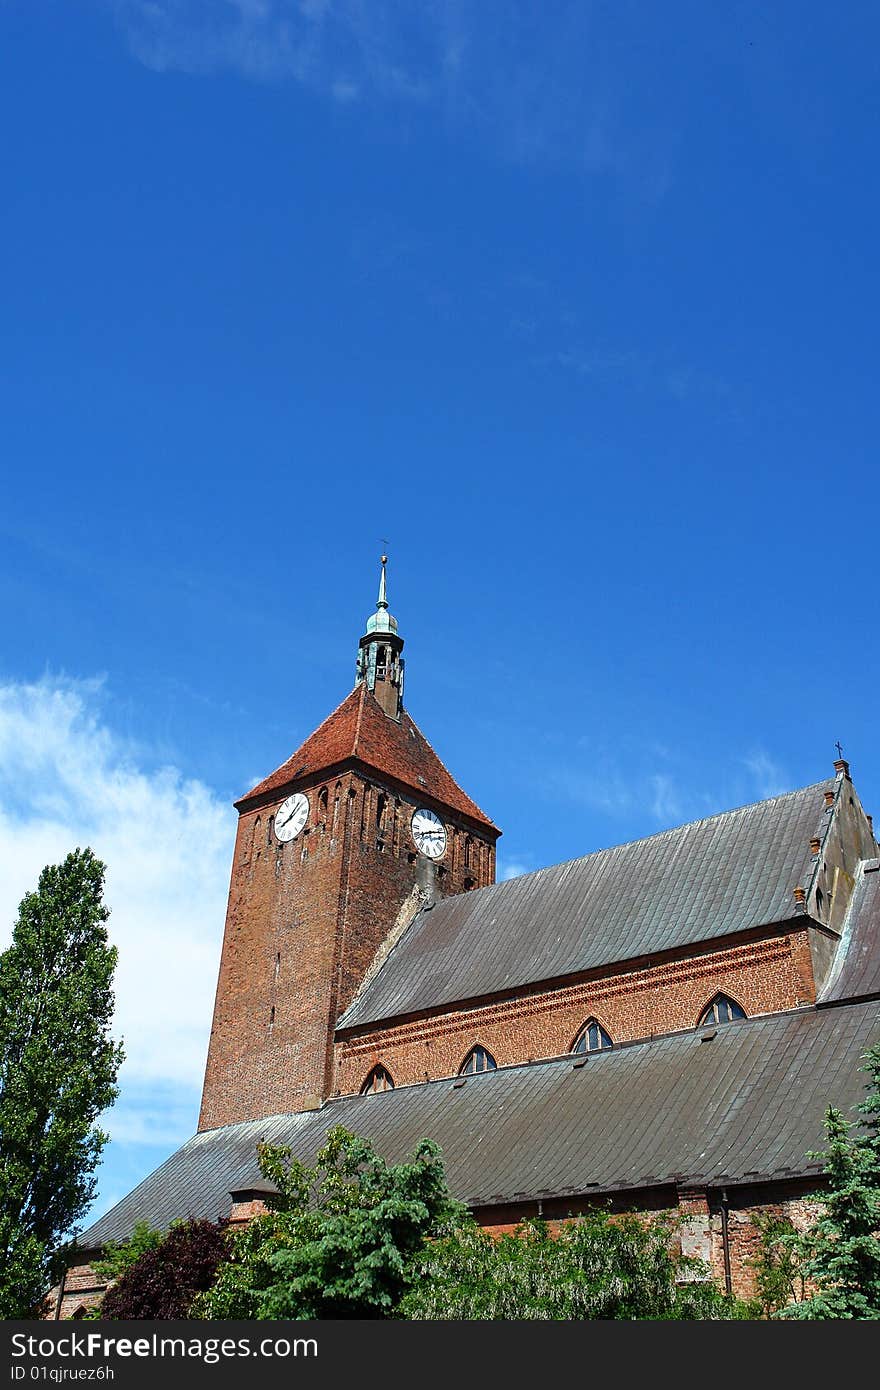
(383, 599)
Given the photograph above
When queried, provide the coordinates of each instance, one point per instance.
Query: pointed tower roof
(381, 620)
(359, 731)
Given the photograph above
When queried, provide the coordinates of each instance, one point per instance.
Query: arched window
(592, 1038)
(378, 1080)
(478, 1059)
(721, 1010)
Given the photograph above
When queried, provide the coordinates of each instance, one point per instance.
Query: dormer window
(378, 1080)
(592, 1038)
(478, 1059)
(722, 1009)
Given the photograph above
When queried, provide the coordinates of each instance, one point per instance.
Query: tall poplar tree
(58, 1068)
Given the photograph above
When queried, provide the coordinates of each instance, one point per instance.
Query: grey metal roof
(746, 1105)
(855, 973)
(698, 882)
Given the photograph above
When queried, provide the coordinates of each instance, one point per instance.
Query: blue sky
(575, 305)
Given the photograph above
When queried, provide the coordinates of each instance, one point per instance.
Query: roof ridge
(259, 787)
(430, 745)
(660, 834)
(357, 727)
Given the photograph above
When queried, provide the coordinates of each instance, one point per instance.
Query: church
(659, 1026)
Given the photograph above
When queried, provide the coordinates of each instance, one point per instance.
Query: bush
(164, 1280)
(598, 1266)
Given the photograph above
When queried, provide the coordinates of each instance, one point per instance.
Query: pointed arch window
(592, 1038)
(722, 1009)
(478, 1059)
(378, 1080)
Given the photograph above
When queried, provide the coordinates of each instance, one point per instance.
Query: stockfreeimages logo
(97, 1346)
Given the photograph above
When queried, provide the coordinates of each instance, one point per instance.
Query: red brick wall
(763, 976)
(83, 1289)
(304, 922)
(271, 1017)
(744, 1237)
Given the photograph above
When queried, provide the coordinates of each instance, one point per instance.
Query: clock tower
(335, 854)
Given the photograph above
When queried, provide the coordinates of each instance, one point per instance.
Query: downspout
(725, 1243)
(60, 1299)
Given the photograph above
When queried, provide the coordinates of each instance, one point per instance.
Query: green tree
(58, 1068)
(119, 1257)
(839, 1256)
(600, 1266)
(870, 1108)
(341, 1239)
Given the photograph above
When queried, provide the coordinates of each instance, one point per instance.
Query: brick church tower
(335, 854)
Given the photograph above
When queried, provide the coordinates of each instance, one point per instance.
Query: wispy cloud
(536, 83)
(66, 779)
(662, 798)
(512, 868)
(665, 801)
(768, 777)
(342, 48)
(681, 381)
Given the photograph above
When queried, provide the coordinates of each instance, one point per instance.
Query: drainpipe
(725, 1243)
(60, 1299)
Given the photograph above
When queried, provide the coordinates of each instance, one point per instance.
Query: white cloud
(511, 868)
(536, 88)
(768, 777)
(66, 780)
(666, 799)
(665, 804)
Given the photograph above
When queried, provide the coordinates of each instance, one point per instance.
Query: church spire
(380, 664)
(383, 600)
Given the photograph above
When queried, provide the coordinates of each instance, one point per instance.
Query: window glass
(722, 1010)
(592, 1038)
(478, 1059)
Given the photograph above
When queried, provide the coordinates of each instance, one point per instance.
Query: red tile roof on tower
(359, 729)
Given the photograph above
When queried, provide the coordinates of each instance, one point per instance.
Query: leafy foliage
(598, 1266)
(58, 1069)
(120, 1257)
(163, 1281)
(342, 1239)
(779, 1280)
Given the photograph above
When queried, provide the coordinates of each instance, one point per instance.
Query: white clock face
(291, 816)
(429, 833)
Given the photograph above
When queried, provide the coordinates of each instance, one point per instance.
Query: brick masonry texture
(762, 975)
(304, 924)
